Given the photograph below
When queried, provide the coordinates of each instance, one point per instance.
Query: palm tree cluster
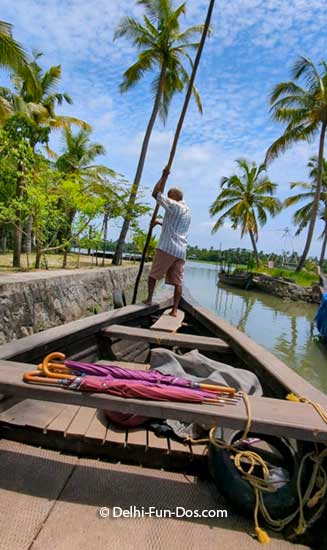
(245, 200)
(79, 188)
(164, 49)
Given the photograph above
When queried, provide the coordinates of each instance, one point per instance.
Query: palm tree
(304, 109)
(77, 162)
(39, 102)
(245, 200)
(12, 57)
(163, 47)
(302, 216)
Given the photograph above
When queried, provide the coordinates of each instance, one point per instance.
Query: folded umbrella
(140, 389)
(113, 371)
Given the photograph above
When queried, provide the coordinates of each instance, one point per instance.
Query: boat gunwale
(253, 354)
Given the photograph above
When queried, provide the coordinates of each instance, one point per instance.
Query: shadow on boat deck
(52, 500)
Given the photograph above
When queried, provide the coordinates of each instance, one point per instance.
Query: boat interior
(59, 420)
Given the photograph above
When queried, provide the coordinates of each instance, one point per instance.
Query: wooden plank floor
(87, 425)
(167, 323)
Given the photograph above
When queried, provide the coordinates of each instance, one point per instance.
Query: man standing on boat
(170, 255)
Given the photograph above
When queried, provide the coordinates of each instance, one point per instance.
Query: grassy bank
(304, 278)
(54, 261)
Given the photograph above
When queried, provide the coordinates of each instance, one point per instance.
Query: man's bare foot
(173, 313)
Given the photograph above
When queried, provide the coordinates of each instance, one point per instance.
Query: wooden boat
(239, 279)
(63, 420)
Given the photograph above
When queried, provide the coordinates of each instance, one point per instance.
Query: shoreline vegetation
(304, 278)
(55, 201)
(75, 261)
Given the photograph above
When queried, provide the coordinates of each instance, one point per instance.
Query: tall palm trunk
(323, 246)
(28, 236)
(70, 219)
(132, 198)
(17, 234)
(315, 204)
(105, 232)
(254, 245)
(175, 141)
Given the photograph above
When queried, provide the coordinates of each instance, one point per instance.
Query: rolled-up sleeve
(165, 202)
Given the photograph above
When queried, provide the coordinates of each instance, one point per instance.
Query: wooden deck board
(64, 419)
(167, 323)
(97, 429)
(81, 422)
(32, 413)
(136, 436)
(115, 434)
(155, 442)
(270, 416)
(190, 341)
(176, 446)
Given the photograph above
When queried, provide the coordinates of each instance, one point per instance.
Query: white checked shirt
(175, 226)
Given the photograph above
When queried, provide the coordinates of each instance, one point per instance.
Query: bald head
(175, 194)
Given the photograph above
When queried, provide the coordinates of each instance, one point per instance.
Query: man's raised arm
(158, 188)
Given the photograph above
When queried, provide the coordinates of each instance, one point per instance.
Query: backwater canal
(286, 328)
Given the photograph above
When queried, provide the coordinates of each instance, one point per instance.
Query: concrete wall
(287, 290)
(32, 302)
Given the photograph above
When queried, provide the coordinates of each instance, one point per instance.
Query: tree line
(48, 200)
(248, 197)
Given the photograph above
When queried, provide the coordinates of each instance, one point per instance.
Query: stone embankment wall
(32, 302)
(287, 290)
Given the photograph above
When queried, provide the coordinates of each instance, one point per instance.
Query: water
(285, 328)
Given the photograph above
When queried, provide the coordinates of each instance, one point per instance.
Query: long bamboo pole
(166, 170)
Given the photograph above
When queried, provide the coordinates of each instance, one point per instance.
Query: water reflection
(285, 328)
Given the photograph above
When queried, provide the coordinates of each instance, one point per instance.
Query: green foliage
(245, 200)
(19, 127)
(305, 278)
(163, 47)
(12, 55)
(303, 109)
(139, 242)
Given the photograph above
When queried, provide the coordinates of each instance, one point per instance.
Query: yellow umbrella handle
(33, 377)
(46, 366)
(218, 389)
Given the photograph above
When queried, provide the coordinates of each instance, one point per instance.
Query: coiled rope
(263, 484)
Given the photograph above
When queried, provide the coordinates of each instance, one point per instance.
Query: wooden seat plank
(81, 422)
(271, 416)
(125, 364)
(190, 341)
(167, 323)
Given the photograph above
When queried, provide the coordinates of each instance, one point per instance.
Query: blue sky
(252, 47)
